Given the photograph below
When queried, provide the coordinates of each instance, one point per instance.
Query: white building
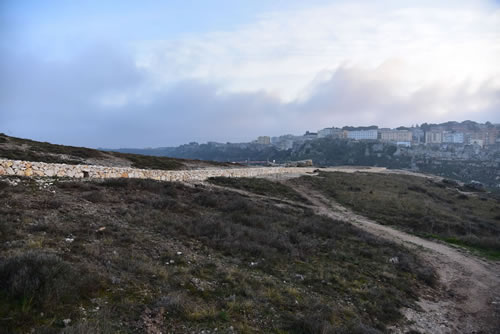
(453, 137)
(264, 140)
(310, 135)
(418, 135)
(330, 132)
(433, 137)
(363, 134)
(395, 135)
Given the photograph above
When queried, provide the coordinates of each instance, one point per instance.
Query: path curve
(469, 296)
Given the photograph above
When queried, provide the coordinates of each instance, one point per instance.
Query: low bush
(157, 187)
(3, 185)
(323, 319)
(95, 196)
(47, 204)
(44, 280)
(175, 302)
(89, 327)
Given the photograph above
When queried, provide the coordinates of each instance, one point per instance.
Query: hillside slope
(143, 256)
(30, 150)
(427, 207)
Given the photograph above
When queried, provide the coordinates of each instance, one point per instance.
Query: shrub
(163, 203)
(94, 197)
(409, 263)
(322, 319)
(41, 279)
(76, 185)
(206, 199)
(175, 302)
(451, 183)
(116, 183)
(88, 327)
(157, 187)
(3, 185)
(6, 228)
(47, 204)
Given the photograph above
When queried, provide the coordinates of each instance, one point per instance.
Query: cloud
(288, 72)
(283, 51)
(102, 98)
(68, 103)
(353, 95)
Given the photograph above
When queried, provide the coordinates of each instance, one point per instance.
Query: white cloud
(284, 51)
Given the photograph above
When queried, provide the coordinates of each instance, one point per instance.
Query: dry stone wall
(27, 168)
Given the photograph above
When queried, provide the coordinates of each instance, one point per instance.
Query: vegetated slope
(259, 186)
(467, 299)
(30, 150)
(143, 256)
(419, 205)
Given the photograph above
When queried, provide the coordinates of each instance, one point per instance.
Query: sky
(162, 73)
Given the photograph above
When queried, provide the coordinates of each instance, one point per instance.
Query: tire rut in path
(468, 299)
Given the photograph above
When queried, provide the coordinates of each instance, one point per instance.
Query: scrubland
(426, 207)
(132, 256)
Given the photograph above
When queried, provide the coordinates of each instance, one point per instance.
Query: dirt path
(468, 300)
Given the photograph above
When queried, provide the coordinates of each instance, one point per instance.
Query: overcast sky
(155, 73)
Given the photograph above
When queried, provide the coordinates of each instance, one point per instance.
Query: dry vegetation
(259, 186)
(143, 256)
(442, 210)
(30, 150)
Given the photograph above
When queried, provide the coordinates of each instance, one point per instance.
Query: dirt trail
(469, 297)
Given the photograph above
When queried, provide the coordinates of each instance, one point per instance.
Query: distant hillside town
(466, 151)
(465, 133)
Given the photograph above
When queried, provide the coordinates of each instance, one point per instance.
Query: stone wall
(27, 168)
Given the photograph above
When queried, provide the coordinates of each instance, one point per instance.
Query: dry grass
(184, 259)
(419, 205)
(30, 150)
(260, 186)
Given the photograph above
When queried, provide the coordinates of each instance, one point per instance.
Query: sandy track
(468, 300)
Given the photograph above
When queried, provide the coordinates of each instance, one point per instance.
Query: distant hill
(462, 164)
(30, 150)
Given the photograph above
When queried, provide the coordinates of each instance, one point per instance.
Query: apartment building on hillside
(453, 137)
(330, 133)
(263, 140)
(433, 137)
(363, 134)
(395, 135)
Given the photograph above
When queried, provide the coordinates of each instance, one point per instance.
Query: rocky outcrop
(27, 168)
